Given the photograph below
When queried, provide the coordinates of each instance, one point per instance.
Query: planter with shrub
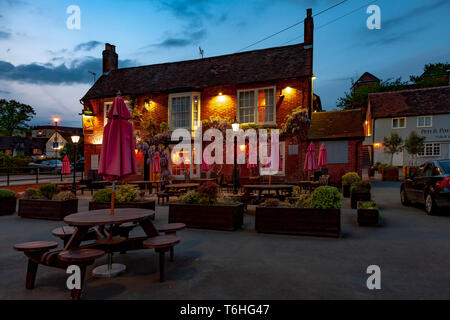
(202, 209)
(47, 203)
(317, 215)
(7, 202)
(126, 196)
(368, 214)
(390, 173)
(347, 180)
(360, 191)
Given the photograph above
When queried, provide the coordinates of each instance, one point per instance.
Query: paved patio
(412, 249)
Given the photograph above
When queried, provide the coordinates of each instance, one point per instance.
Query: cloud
(76, 72)
(186, 39)
(5, 92)
(87, 46)
(5, 35)
(384, 38)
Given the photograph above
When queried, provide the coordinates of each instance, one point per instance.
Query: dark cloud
(87, 46)
(76, 72)
(4, 92)
(5, 35)
(381, 37)
(186, 39)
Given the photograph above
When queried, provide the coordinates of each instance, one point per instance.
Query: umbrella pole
(112, 197)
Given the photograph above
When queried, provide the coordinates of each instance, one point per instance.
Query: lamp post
(55, 142)
(75, 140)
(235, 126)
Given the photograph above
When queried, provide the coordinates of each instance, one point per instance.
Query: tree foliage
(414, 144)
(435, 74)
(393, 144)
(14, 116)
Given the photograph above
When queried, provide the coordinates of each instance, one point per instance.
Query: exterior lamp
(242, 147)
(75, 139)
(235, 126)
(221, 97)
(288, 90)
(55, 142)
(313, 77)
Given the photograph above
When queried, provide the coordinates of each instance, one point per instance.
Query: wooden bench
(82, 258)
(166, 195)
(66, 232)
(161, 244)
(171, 228)
(30, 249)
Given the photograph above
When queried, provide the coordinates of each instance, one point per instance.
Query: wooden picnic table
(268, 187)
(203, 180)
(152, 183)
(179, 186)
(306, 184)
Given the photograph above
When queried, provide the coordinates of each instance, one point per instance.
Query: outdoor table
(203, 180)
(308, 184)
(88, 219)
(269, 187)
(139, 182)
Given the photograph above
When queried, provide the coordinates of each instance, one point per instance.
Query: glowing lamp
(288, 90)
(377, 144)
(75, 139)
(56, 119)
(235, 125)
(242, 147)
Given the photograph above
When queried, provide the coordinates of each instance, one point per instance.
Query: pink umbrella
(310, 161)
(205, 166)
(117, 158)
(323, 160)
(156, 163)
(65, 166)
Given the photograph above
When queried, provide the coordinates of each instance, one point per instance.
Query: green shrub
(325, 198)
(66, 195)
(32, 194)
(302, 201)
(349, 178)
(5, 193)
(271, 203)
(48, 190)
(367, 205)
(361, 186)
(103, 195)
(126, 193)
(190, 197)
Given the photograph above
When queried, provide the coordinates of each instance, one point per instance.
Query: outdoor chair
(161, 244)
(171, 228)
(324, 180)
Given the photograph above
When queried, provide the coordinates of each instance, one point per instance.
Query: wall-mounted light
(221, 97)
(313, 77)
(377, 145)
(235, 125)
(288, 90)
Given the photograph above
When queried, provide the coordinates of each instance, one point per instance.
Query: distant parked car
(47, 166)
(430, 185)
(80, 164)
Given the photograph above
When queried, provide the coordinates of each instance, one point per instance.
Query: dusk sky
(44, 64)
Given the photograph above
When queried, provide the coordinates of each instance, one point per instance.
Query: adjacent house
(54, 143)
(425, 111)
(26, 146)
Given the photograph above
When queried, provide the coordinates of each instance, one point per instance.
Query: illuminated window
(37, 151)
(256, 105)
(184, 110)
(108, 106)
(425, 121)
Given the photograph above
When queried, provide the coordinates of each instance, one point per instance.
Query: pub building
(258, 88)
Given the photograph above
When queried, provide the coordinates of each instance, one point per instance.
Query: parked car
(80, 164)
(430, 185)
(47, 166)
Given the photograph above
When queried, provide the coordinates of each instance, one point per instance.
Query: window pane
(420, 122)
(394, 123)
(428, 121)
(246, 106)
(402, 123)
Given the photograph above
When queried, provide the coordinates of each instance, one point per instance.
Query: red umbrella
(118, 158)
(205, 165)
(310, 161)
(323, 160)
(65, 166)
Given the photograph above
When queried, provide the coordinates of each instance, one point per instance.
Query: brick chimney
(309, 28)
(110, 58)
(308, 56)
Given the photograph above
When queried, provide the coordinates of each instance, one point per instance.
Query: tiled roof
(233, 69)
(367, 77)
(336, 124)
(415, 102)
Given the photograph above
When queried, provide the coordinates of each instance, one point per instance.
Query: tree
(393, 144)
(14, 116)
(69, 150)
(414, 144)
(434, 75)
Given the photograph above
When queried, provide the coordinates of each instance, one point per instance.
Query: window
(257, 105)
(184, 110)
(37, 151)
(337, 151)
(431, 150)
(108, 106)
(398, 123)
(424, 121)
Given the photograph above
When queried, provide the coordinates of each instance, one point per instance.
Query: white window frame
(255, 90)
(192, 96)
(399, 118)
(107, 105)
(433, 145)
(191, 166)
(424, 117)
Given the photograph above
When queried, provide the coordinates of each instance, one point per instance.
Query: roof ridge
(409, 90)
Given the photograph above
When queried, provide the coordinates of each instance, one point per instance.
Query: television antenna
(94, 74)
(201, 51)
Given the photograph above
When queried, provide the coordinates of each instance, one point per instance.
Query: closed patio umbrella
(65, 166)
(310, 161)
(156, 163)
(323, 159)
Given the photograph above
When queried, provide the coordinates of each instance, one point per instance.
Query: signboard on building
(94, 162)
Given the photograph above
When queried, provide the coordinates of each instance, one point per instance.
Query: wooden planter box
(390, 174)
(315, 222)
(368, 217)
(149, 205)
(346, 190)
(219, 217)
(358, 196)
(7, 206)
(47, 209)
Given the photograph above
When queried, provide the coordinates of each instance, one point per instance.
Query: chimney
(308, 57)
(309, 28)
(110, 58)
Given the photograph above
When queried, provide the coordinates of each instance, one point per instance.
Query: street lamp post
(55, 143)
(235, 127)
(75, 140)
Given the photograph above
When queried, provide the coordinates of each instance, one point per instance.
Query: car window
(427, 171)
(445, 166)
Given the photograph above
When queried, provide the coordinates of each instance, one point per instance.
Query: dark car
(47, 166)
(430, 185)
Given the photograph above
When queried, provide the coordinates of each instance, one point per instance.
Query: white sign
(94, 161)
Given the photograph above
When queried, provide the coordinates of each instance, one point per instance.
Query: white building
(55, 145)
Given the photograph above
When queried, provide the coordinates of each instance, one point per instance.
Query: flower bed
(7, 202)
(319, 215)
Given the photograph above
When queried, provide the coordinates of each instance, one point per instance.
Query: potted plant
(347, 180)
(368, 214)
(390, 173)
(203, 209)
(360, 191)
(127, 196)
(47, 203)
(318, 214)
(7, 202)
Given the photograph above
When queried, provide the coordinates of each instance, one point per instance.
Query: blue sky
(44, 64)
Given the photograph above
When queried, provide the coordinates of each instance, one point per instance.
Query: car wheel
(403, 198)
(430, 205)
